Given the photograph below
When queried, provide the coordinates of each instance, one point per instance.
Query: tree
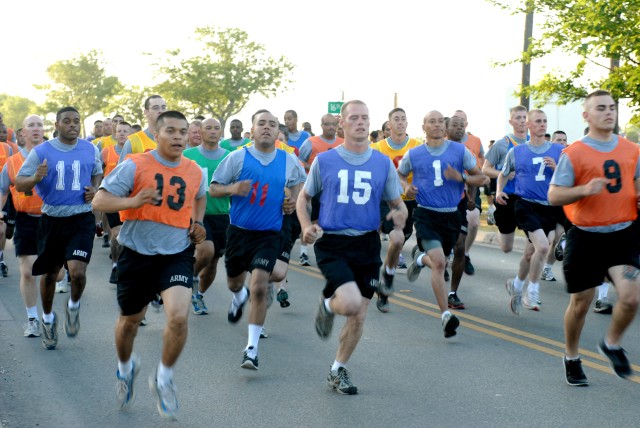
(130, 104)
(601, 35)
(82, 83)
(220, 81)
(14, 109)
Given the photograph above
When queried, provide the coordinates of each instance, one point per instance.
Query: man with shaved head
(28, 207)
(439, 178)
(209, 155)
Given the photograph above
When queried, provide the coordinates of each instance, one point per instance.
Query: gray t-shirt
(392, 188)
(498, 152)
(510, 164)
(143, 236)
(31, 164)
(229, 170)
(468, 163)
(307, 147)
(564, 176)
(5, 183)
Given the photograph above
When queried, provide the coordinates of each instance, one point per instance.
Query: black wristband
(199, 222)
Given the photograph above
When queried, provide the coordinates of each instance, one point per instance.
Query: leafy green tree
(81, 82)
(602, 35)
(221, 80)
(129, 103)
(14, 109)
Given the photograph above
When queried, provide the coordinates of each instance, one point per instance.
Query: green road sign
(335, 106)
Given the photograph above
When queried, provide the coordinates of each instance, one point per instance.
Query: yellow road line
(402, 299)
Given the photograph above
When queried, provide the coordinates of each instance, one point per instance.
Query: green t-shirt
(209, 161)
(233, 145)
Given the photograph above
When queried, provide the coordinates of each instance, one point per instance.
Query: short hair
(124, 123)
(197, 123)
(170, 114)
(597, 93)
(148, 100)
(559, 132)
(395, 110)
(97, 122)
(547, 136)
(137, 127)
(293, 113)
(348, 103)
(374, 134)
(535, 110)
(517, 108)
(64, 110)
(384, 125)
(200, 118)
(283, 128)
(262, 110)
(117, 115)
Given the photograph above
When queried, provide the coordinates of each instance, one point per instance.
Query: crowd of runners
(173, 198)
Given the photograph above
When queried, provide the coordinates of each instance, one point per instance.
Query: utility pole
(526, 66)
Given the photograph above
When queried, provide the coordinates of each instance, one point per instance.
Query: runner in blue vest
(351, 180)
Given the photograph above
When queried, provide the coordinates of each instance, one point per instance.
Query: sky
(434, 55)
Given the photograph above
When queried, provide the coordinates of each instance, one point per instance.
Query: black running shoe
(573, 372)
(617, 360)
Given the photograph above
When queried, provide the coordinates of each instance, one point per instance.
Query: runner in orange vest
(597, 181)
(161, 197)
(28, 214)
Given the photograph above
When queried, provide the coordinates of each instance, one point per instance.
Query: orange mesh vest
(474, 145)
(318, 145)
(5, 153)
(26, 203)
(178, 187)
(110, 159)
(616, 203)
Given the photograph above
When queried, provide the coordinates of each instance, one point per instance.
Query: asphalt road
(500, 370)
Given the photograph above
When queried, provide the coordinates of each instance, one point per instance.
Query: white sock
(303, 250)
(254, 336)
(47, 318)
(390, 271)
(571, 358)
(548, 266)
(563, 244)
(466, 254)
(239, 296)
(612, 347)
(114, 265)
(534, 287)
(327, 306)
(336, 365)
(444, 313)
(518, 284)
(125, 368)
(165, 374)
(32, 312)
(73, 305)
(451, 293)
(419, 259)
(603, 291)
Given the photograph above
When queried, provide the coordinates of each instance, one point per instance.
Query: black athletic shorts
(290, 232)
(437, 226)
(589, 255)
(25, 238)
(113, 219)
(141, 277)
(386, 226)
(343, 259)
(251, 249)
(462, 209)
(531, 216)
(216, 226)
(315, 207)
(505, 215)
(64, 238)
(490, 189)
